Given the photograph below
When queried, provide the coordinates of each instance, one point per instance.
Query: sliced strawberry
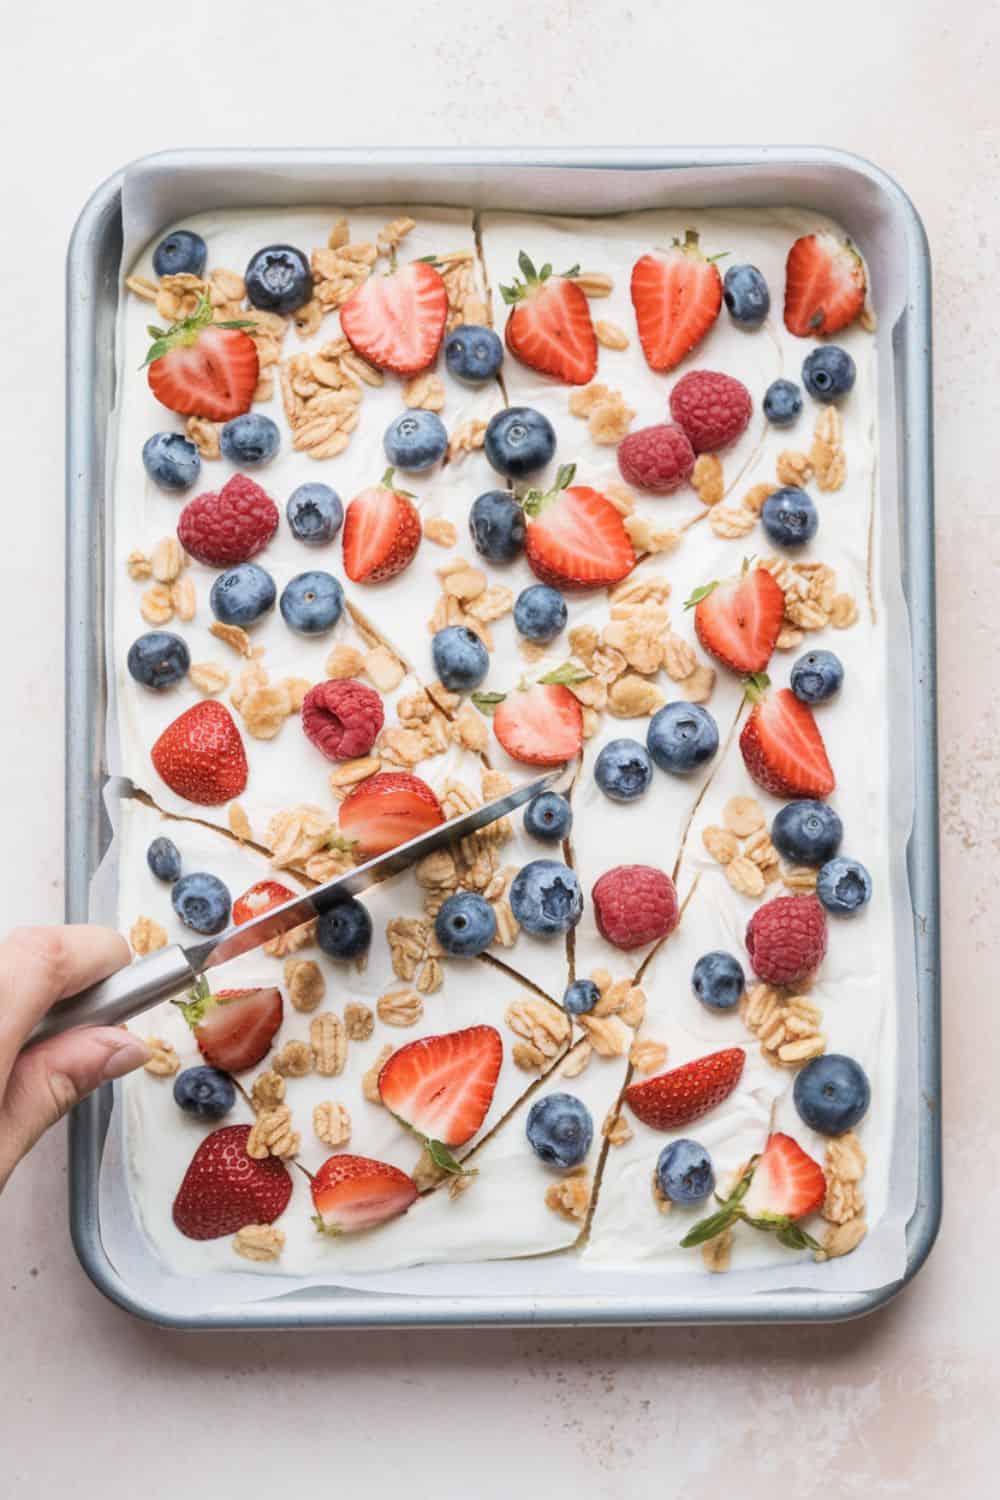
(355, 1192)
(782, 747)
(233, 1028)
(739, 621)
(549, 326)
(576, 538)
(786, 1184)
(262, 897)
(825, 285)
(200, 755)
(677, 295)
(386, 811)
(540, 725)
(224, 1188)
(204, 369)
(442, 1086)
(686, 1093)
(381, 533)
(396, 321)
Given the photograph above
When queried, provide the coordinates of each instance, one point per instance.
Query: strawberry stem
(536, 502)
(185, 331)
(699, 594)
(756, 687)
(487, 702)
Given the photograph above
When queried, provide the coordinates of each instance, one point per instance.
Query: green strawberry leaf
(487, 702)
(537, 501)
(707, 1229)
(199, 1001)
(566, 675)
(573, 271)
(756, 685)
(442, 1158)
(526, 266)
(699, 594)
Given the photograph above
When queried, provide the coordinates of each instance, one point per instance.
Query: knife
(171, 970)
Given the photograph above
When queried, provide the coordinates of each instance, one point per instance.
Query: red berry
(786, 939)
(683, 1095)
(825, 285)
(201, 756)
(342, 718)
(230, 527)
(712, 408)
(397, 321)
(658, 458)
(549, 326)
(634, 905)
(224, 1188)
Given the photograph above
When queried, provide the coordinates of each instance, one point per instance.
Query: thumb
(49, 1079)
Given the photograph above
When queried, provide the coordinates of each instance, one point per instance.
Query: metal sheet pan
(850, 189)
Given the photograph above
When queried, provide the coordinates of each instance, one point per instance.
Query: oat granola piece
(827, 452)
(610, 335)
(632, 697)
(843, 612)
(717, 1253)
(647, 1056)
(206, 436)
(570, 1198)
(259, 1242)
(466, 437)
(794, 468)
(707, 478)
(369, 1080)
(609, 1035)
(297, 833)
(163, 1060)
(722, 845)
(544, 1030)
(139, 566)
(754, 498)
(239, 823)
(272, 1135)
(328, 1036)
(576, 1060)
(156, 605)
(743, 816)
(616, 1130)
(208, 677)
(285, 943)
(359, 1021)
(730, 522)
(440, 530)
(267, 1090)
(698, 688)
(294, 1060)
(744, 876)
(400, 1008)
(344, 661)
(146, 936)
(595, 283)
(424, 392)
(384, 669)
(610, 419)
(679, 660)
(331, 1123)
(305, 983)
(233, 636)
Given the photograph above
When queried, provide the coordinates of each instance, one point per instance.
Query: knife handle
(119, 997)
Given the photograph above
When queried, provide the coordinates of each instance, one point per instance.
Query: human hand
(38, 966)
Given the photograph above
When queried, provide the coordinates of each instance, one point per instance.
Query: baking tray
(862, 198)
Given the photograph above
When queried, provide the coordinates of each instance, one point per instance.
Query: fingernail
(129, 1054)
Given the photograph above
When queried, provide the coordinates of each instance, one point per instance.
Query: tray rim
(322, 1308)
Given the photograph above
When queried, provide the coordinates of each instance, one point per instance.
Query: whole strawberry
(713, 409)
(658, 458)
(673, 1099)
(634, 905)
(201, 756)
(786, 939)
(225, 1189)
(342, 718)
(230, 527)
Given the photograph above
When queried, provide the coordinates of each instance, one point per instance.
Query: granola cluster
(743, 847)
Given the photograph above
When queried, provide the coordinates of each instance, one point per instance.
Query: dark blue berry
(623, 770)
(158, 659)
(817, 676)
(180, 252)
(473, 353)
(828, 373)
(560, 1130)
(201, 901)
(164, 859)
(681, 737)
(548, 817)
(519, 441)
(718, 980)
(345, 931)
(240, 595)
(315, 513)
(461, 660)
(497, 524)
(745, 293)
(789, 516)
(249, 440)
(807, 832)
(580, 997)
(278, 279)
(832, 1093)
(465, 924)
(312, 602)
(171, 460)
(782, 403)
(415, 441)
(545, 898)
(205, 1093)
(844, 886)
(684, 1172)
(540, 613)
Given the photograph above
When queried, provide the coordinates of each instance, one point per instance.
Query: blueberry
(681, 737)
(782, 403)
(623, 770)
(580, 997)
(789, 517)
(201, 901)
(497, 524)
(205, 1093)
(345, 931)
(415, 441)
(312, 602)
(718, 980)
(545, 897)
(240, 595)
(684, 1172)
(164, 859)
(171, 460)
(519, 441)
(828, 373)
(817, 676)
(249, 440)
(180, 252)
(844, 886)
(807, 832)
(745, 293)
(278, 279)
(548, 817)
(315, 513)
(473, 353)
(460, 658)
(560, 1130)
(832, 1093)
(465, 924)
(540, 613)
(158, 659)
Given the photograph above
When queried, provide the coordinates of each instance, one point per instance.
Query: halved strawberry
(739, 620)
(782, 747)
(233, 1028)
(356, 1192)
(387, 810)
(262, 897)
(204, 369)
(549, 326)
(786, 1182)
(825, 285)
(396, 321)
(540, 725)
(224, 1188)
(686, 1093)
(381, 532)
(442, 1086)
(677, 295)
(576, 538)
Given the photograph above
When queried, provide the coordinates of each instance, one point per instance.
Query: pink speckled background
(898, 1405)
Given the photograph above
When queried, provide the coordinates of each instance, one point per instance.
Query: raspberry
(342, 718)
(657, 458)
(712, 408)
(229, 527)
(786, 939)
(634, 904)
